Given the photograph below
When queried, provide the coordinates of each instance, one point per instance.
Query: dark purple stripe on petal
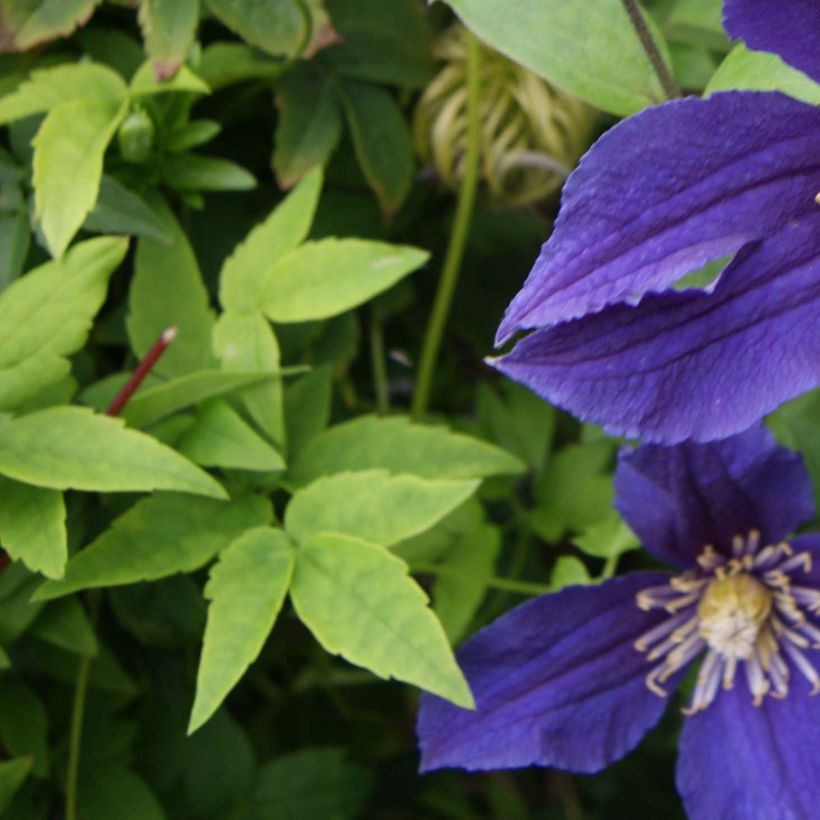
(666, 191)
(557, 682)
(691, 364)
(790, 28)
(679, 499)
(739, 761)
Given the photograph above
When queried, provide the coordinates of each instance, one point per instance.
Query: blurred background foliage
(238, 102)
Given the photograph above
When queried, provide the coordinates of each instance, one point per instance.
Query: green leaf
(276, 26)
(224, 64)
(373, 505)
(72, 448)
(169, 30)
(246, 590)
(50, 87)
(47, 314)
(247, 342)
(797, 425)
(325, 278)
(32, 527)
(311, 784)
(190, 172)
(245, 270)
(462, 584)
(358, 601)
(119, 210)
(64, 624)
(307, 407)
(24, 724)
(569, 571)
(608, 537)
(309, 124)
(68, 164)
(167, 290)
(760, 71)
(145, 82)
(153, 404)
(190, 135)
(383, 43)
(14, 244)
(116, 793)
(699, 22)
(12, 775)
(381, 140)
(159, 536)
(592, 50)
(400, 446)
(220, 438)
(27, 23)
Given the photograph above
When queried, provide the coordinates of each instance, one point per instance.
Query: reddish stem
(143, 369)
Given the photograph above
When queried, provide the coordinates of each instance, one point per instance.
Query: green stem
(670, 87)
(507, 584)
(610, 566)
(458, 236)
(379, 369)
(77, 717)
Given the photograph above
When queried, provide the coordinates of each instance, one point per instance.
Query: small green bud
(136, 136)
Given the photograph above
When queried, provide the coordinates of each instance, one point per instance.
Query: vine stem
(380, 383)
(458, 236)
(75, 737)
(507, 584)
(670, 87)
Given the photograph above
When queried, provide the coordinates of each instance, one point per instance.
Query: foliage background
(240, 101)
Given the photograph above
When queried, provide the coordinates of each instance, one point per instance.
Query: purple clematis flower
(658, 196)
(575, 679)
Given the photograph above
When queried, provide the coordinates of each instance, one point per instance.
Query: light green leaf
(224, 64)
(245, 341)
(190, 172)
(153, 404)
(145, 82)
(276, 26)
(358, 601)
(246, 590)
(12, 775)
(68, 164)
(309, 124)
(373, 505)
(381, 140)
(569, 571)
(760, 71)
(400, 446)
(64, 624)
(159, 536)
(50, 87)
(47, 314)
(167, 290)
(245, 270)
(325, 278)
(699, 22)
(311, 784)
(169, 30)
(462, 584)
(24, 724)
(190, 134)
(32, 527)
(119, 210)
(588, 47)
(220, 438)
(72, 448)
(307, 407)
(608, 537)
(797, 425)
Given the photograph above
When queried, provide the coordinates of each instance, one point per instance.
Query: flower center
(747, 610)
(731, 612)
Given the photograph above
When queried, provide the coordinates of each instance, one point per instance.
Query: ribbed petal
(691, 364)
(739, 762)
(810, 542)
(790, 28)
(557, 682)
(679, 499)
(664, 192)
